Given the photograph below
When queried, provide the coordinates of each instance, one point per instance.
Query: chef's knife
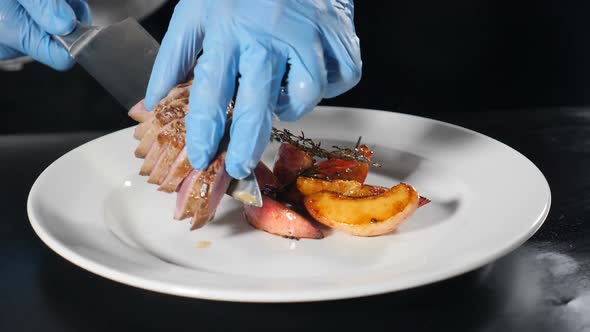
(120, 57)
(246, 191)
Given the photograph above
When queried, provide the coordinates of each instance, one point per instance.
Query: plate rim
(294, 297)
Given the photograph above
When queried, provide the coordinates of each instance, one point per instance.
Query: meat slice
(141, 129)
(187, 194)
(173, 137)
(214, 183)
(163, 115)
(201, 192)
(181, 91)
(151, 158)
(162, 144)
(180, 168)
(139, 113)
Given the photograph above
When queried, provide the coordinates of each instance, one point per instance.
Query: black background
(420, 56)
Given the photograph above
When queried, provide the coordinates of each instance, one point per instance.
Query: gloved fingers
(28, 38)
(56, 16)
(82, 10)
(261, 73)
(342, 52)
(344, 66)
(9, 53)
(306, 80)
(212, 90)
(177, 55)
(344, 71)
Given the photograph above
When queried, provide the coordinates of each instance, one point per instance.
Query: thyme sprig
(315, 149)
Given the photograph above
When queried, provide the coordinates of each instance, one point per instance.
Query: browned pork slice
(201, 192)
(173, 106)
(140, 114)
(141, 129)
(214, 183)
(162, 135)
(151, 158)
(187, 194)
(179, 170)
(173, 137)
(176, 109)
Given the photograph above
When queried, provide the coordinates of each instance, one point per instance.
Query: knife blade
(120, 57)
(246, 190)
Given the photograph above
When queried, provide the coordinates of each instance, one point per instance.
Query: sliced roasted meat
(151, 158)
(179, 170)
(141, 129)
(201, 192)
(213, 185)
(187, 195)
(139, 113)
(173, 137)
(176, 109)
(162, 143)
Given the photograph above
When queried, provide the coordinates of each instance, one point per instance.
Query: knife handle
(78, 37)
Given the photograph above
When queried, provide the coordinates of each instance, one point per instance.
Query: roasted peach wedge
(341, 169)
(308, 186)
(275, 218)
(364, 216)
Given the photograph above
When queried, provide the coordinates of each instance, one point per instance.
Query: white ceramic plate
(91, 207)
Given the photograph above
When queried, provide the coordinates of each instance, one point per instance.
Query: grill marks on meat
(162, 136)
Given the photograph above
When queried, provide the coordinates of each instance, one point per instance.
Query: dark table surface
(542, 286)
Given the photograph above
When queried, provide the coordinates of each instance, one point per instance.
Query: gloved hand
(255, 39)
(26, 25)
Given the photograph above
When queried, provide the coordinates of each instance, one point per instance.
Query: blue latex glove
(255, 39)
(26, 25)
